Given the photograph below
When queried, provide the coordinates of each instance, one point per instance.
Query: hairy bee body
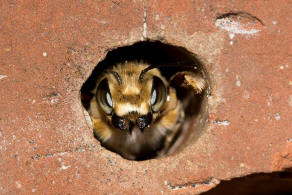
(136, 112)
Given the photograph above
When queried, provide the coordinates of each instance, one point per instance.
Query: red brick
(48, 49)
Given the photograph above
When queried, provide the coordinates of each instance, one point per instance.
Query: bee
(135, 110)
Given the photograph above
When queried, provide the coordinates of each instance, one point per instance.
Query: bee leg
(171, 137)
(189, 79)
(101, 129)
(170, 123)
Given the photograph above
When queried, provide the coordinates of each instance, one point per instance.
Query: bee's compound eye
(158, 94)
(103, 97)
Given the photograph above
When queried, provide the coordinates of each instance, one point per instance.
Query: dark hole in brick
(170, 60)
(259, 183)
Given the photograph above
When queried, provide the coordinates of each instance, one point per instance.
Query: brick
(48, 50)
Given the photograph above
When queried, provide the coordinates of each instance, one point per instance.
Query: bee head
(131, 95)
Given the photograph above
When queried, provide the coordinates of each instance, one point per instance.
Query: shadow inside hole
(256, 184)
(170, 59)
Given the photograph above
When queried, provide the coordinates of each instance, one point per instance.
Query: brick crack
(209, 182)
(144, 35)
(61, 153)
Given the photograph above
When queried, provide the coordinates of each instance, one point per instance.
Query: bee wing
(188, 79)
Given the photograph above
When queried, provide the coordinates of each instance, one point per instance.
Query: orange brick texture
(49, 48)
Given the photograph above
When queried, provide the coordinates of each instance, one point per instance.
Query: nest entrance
(171, 59)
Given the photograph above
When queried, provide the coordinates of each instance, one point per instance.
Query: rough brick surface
(48, 49)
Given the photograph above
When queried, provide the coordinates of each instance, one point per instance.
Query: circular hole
(151, 114)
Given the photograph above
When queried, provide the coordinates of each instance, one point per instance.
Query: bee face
(129, 97)
(136, 112)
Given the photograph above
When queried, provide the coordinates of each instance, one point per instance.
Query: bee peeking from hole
(135, 110)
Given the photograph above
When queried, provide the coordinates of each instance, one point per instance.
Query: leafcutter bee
(135, 110)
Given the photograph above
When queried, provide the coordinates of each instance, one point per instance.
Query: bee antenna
(117, 76)
(176, 64)
(141, 76)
